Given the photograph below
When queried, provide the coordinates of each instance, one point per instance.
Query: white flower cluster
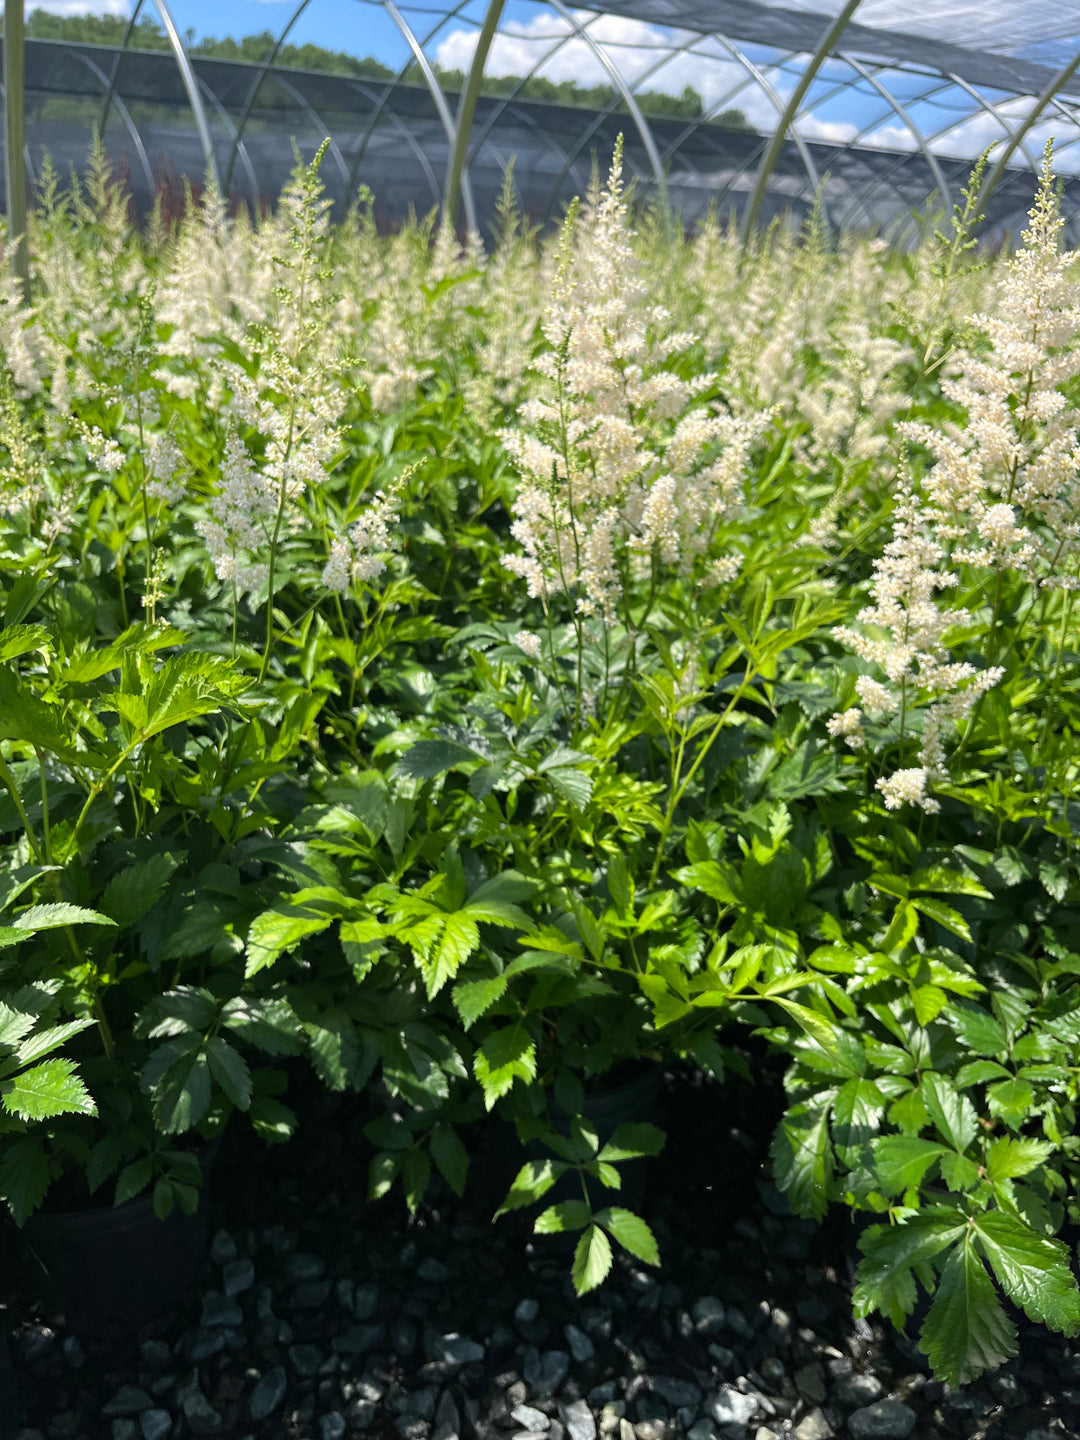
(359, 554)
(1005, 485)
(1002, 495)
(616, 467)
(902, 633)
(241, 513)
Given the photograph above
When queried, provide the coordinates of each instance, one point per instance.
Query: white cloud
(890, 137)
(81, 7)
(646, 56)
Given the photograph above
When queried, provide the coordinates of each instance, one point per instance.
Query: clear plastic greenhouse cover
(751, 107)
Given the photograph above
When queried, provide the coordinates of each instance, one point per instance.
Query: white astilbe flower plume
(1004, 490)
(616, 467)
(903, 634)
(359, 554)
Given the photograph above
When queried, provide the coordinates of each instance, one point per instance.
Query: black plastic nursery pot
(113, 1272)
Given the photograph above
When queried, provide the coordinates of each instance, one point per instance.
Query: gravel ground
(319, 1317)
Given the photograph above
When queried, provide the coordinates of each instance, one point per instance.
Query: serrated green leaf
(428, 758)
(451, 1157)
(16, 640)
(952, 1113)
(185, 687)
(415, 1176)
(620, 886)
(977, 1028)
(51, 917)
(342, 1055)
(802, 1159)
(24, 1176)
(631, 1140)
(177, 1078)
(532, 1182)
(1011, 1101)
(592, 1260)
(31, 721)
(557, 1219)
(901, 1161)
(966, 1331)
(133, 1180)
(39, 1044)
(506, 1055)
(571, 784)
(1008, 1158)
(714, 878)
(382, 1172)
(129, 895)
(928, 1001)
(857, 1112)
(942, 881)
(960, 1172)
(821, 1030)
(51, 1088)
(948, 918)
(271, 1120)
(507, 888)
(631, 1232)
(277, 931)
(230, 1070)
(978, 1072)
(268, 1023)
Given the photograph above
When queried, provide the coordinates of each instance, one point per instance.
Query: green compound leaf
(966, 1331)
(891, 1253)
(592, 1260)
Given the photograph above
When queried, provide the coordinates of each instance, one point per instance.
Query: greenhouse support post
(14, 166)
(1060, 80)
(772, 154)
(466, 110)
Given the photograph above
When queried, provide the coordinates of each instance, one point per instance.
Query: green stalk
(676, 794)
(13, 790)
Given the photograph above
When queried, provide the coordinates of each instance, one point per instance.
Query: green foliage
(301, 759)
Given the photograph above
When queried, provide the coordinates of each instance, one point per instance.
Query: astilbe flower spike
(618, 467)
